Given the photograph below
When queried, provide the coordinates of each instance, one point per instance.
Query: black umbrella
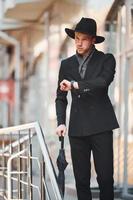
(62, 164)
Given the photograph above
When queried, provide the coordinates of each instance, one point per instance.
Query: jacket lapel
(75, 69)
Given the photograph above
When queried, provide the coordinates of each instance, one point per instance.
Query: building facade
(119, 33)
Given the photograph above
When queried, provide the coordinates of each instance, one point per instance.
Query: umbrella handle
(61, 139)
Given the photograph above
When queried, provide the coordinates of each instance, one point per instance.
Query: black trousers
(101, 146)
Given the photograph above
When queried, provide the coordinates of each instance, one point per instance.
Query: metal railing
(26, 170)
(123, 167)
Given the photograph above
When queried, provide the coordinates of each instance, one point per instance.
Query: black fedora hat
(87, 26)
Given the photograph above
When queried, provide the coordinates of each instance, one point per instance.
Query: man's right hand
(61, 130)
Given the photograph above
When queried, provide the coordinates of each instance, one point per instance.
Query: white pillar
(17, 85)
(126, 114)
(46, 62)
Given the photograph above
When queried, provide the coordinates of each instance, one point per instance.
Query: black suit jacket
(91, 109)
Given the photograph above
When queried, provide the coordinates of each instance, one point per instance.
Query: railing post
(42, 172)
(19, 169)
(30, 167)
(9, 172)
(3, 165)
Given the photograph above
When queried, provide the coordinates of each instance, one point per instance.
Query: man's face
(83, 43)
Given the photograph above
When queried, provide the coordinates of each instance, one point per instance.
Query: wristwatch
(72, 84)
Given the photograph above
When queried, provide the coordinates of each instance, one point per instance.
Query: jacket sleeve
(61, 100)
(104, 79)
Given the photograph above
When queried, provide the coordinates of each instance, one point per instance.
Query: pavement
(70, 193)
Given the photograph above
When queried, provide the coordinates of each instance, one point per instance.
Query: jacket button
(79, 96)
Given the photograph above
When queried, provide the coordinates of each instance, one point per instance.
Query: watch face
(72, 86)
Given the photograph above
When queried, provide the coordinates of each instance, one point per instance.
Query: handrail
(19, 127)
(40, 135)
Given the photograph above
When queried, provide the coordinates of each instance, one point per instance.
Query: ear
(93, 40)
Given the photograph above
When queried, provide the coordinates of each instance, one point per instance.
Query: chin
(81, 52)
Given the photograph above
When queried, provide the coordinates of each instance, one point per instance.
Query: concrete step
(70, 194)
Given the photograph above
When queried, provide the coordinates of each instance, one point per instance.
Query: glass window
(130, 97)
(130, 124)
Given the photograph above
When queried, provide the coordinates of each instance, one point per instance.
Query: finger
(58, 132)
(64, 132)
(64, 84)
(61, 84)
(61, 133)
(62, 88)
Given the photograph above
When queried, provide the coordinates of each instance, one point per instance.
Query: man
(88, 74)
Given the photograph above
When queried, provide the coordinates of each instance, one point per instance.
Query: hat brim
(71, 33)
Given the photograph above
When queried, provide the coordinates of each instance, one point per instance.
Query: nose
(79, 43)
